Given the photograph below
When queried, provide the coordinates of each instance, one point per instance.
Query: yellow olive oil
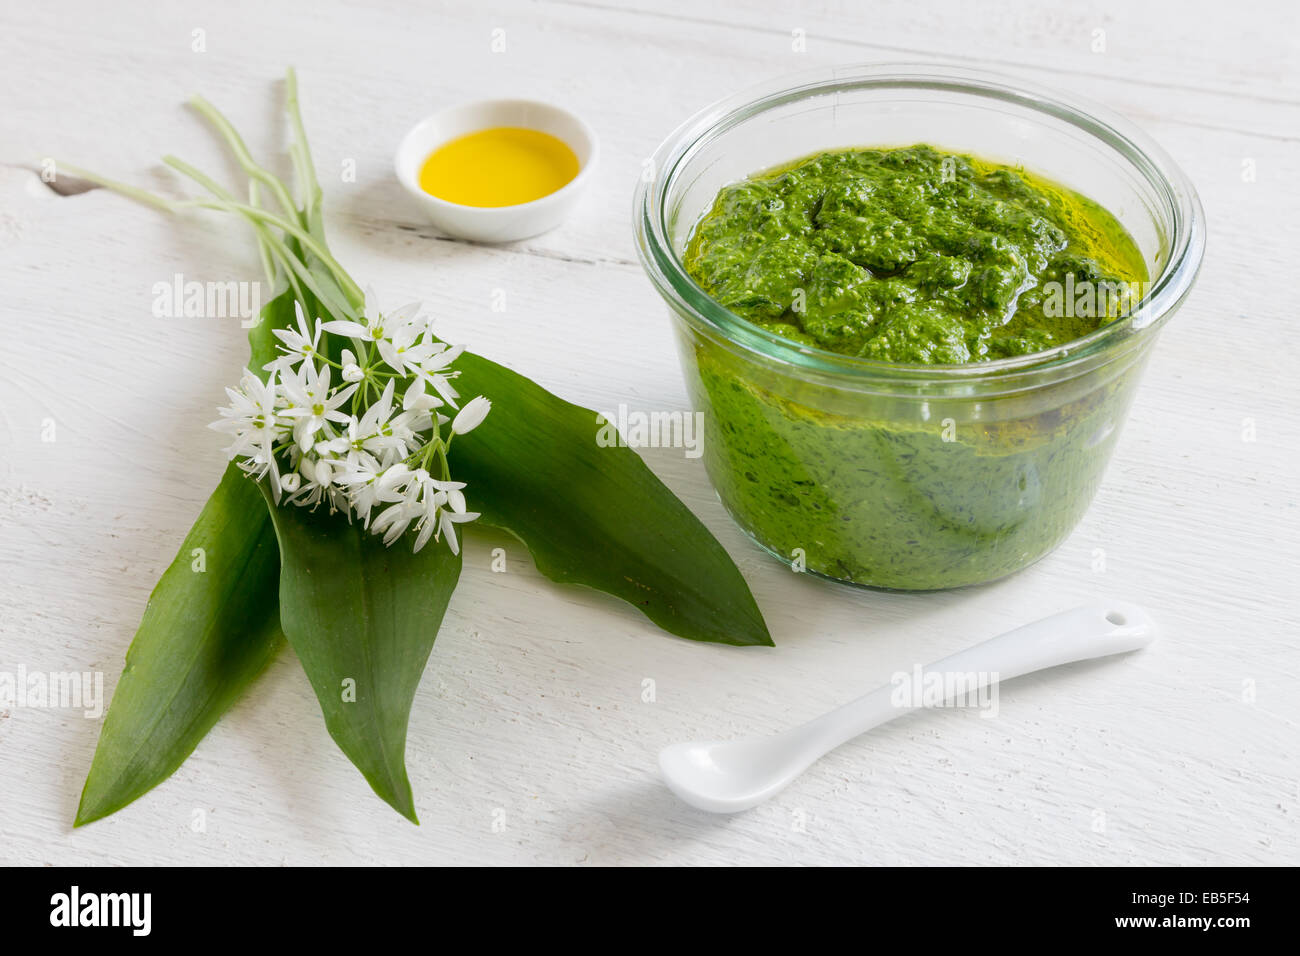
(501, 166)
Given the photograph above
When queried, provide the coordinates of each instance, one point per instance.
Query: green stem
(344, 280)
(263, 245)
(268, 245)
(351, 291)
(302, 151)
(133, 192)
(242, 155)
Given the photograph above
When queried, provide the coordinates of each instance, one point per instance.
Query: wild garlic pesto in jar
(913, 255)
(913, 364)
(921, 257)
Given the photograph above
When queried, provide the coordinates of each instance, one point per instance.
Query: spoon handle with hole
(1082, 633)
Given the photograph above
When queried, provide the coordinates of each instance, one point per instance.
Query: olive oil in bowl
(501, 166)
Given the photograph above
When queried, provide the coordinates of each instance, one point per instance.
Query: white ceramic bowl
(496, 223)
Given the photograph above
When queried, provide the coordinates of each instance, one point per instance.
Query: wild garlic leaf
(597, 516)
(362, 619)
(210, 627)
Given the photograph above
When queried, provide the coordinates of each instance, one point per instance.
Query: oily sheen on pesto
(910, 255)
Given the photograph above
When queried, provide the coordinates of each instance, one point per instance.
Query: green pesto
(900, 257)
(876, 495)
(911, 255)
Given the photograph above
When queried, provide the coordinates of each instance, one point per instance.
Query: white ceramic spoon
(728, 776)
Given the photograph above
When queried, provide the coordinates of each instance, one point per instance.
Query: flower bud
(471, 416)
(323, 472)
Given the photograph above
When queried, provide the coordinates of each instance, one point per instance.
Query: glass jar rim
(663, 262)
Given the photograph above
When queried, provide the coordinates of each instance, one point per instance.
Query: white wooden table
(530, 741)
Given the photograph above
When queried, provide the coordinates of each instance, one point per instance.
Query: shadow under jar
(912, 477)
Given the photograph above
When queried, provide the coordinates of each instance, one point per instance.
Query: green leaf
(210, 627)
(362, 619)
(596, 516)
(206, 634)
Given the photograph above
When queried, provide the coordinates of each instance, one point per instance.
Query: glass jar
(912, 477)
